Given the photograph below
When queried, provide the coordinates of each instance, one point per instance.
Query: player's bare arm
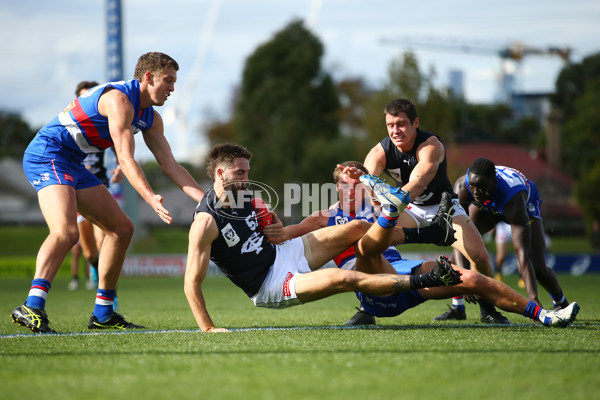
(429, 155)
(118, 109)
(311, 223)
(160, 148)
(375, 161)
(202, 233)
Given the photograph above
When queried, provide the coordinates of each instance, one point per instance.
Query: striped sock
(104, 304)
(458, 302)
(388, 217)
(534, 311)
(38, 294)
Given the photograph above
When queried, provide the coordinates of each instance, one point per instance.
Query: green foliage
(287, 108)
(587, 193)
(404, 80)
(572, 83)
(581, 131)
(15, 135)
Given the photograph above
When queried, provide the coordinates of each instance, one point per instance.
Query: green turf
(407, 357)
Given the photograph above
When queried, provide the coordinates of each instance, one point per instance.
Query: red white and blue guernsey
(510, 182)
(56, 153)
(347, 259)
(389, 306)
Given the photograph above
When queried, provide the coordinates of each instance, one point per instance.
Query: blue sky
(48, 47)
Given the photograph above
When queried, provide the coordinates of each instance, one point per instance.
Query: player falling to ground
(354, 205)
(288, 274)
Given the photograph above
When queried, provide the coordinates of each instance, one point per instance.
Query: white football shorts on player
(279, 288)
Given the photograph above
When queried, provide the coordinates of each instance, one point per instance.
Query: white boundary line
(285, 328)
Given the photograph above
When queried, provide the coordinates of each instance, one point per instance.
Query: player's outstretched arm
(159, 146)
(202, 233)
(118, 109)
(429, 155)
(316, 220)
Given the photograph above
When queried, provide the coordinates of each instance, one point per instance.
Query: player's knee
(124, 230)
(343, 280)
(358, 227)
(70, 237)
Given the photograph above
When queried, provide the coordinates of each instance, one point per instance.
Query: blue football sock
(38, 294)
(386, 221)
(534, 311)
(104, 304)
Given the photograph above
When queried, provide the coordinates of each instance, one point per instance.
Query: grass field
(299, 353)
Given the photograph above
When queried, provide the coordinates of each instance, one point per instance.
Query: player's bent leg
(87, 240)
(326, 282)
(100, 208)
(58, 206)
(470, 243)
(544, 275)
(326, 243)
(374, 265)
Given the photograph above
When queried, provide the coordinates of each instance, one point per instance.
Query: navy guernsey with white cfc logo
(241, 251)
(401, 165)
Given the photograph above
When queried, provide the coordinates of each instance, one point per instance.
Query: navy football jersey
(241, 251)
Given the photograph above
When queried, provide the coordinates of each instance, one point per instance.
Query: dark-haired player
(494, 193)
(416, 159)
(278, 276)
(288, 274)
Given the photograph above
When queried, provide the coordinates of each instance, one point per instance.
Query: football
(263, 215)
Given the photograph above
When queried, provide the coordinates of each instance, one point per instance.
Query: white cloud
(48, 47)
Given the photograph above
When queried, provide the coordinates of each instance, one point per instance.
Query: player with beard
(226, 230)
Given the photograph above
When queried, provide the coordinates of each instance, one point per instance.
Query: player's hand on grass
(217, 330)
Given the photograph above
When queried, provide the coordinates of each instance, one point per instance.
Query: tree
(15, 134)
(439, 112)
(577, 96)
(287, 112)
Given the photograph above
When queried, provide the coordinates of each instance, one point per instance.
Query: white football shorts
(279, 288)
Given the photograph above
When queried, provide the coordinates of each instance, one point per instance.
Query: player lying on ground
(284, 275)
(354, 206)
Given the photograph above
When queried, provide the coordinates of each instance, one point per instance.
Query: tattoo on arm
(401, 283)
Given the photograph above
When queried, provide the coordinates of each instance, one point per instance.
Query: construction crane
(514, 52)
